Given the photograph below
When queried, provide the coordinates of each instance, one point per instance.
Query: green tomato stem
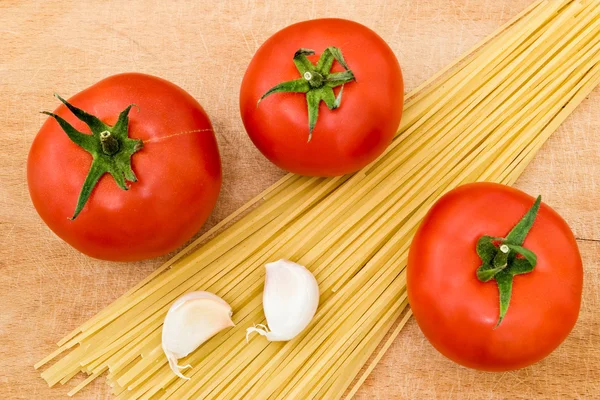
(316, 82)
(501, 262)
(110, 147)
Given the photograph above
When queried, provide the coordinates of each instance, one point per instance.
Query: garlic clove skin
(193, 319)
(290, 300)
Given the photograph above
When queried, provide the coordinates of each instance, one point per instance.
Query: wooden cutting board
(47, 288)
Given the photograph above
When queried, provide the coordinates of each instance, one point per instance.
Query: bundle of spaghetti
(481, 119)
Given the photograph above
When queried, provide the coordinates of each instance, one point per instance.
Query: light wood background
(47, 288)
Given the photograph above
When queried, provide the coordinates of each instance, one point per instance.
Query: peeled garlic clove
(193, 319)
(290, 300)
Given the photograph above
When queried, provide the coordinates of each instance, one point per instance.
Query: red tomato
(178, 171)
(458, 313)
(344, 139)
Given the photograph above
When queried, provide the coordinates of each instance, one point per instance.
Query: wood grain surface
(47, 288)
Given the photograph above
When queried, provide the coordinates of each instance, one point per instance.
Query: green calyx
(110, 147)
(317, 82)
(503, 258)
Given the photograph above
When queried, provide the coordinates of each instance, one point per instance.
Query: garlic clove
(193, 319)
(290, 300)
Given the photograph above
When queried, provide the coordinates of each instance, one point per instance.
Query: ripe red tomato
(344, 139)
(177, 166)
(458, 313)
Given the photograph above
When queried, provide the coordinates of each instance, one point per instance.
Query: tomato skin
(344, 140)
(178, 171)
(458, 313)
